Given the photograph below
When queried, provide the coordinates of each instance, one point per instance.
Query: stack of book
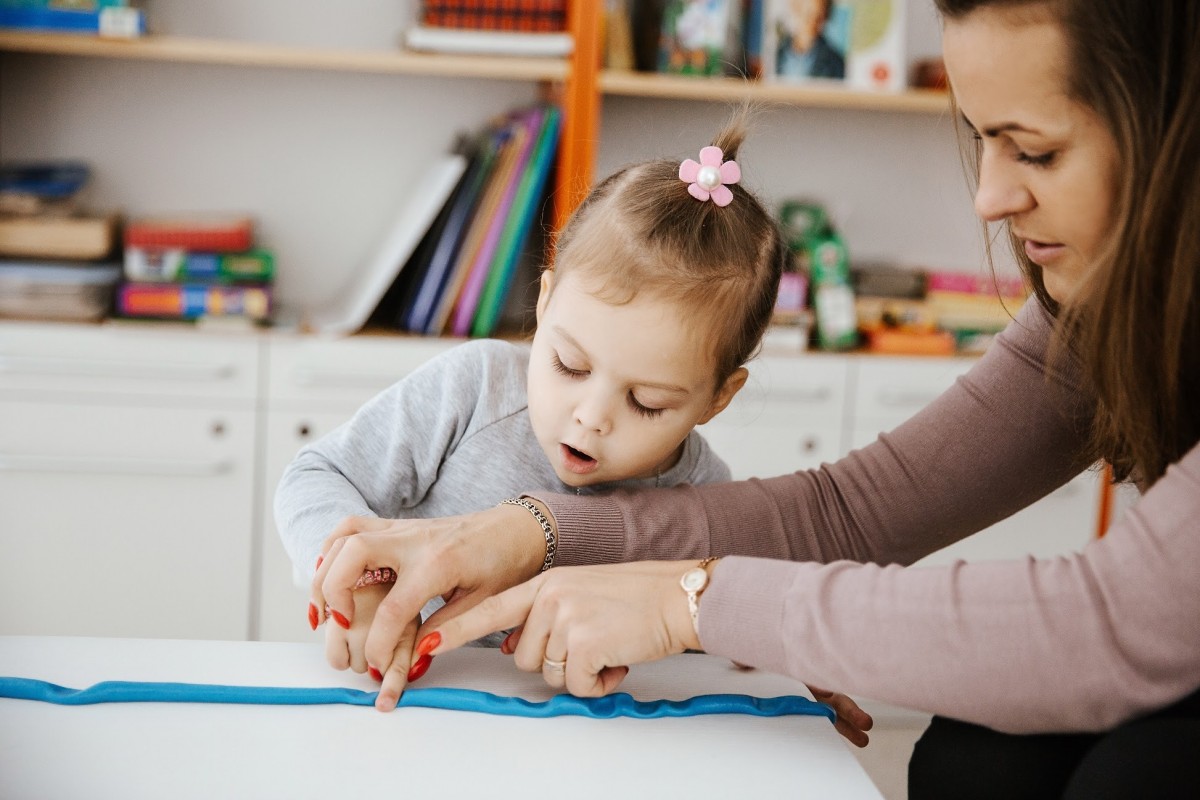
(53, 255)
(492, 27)
(192, 267)
(459, 275)
(905, 311)
(115, 18)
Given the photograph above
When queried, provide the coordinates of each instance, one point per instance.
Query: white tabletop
(180, 750)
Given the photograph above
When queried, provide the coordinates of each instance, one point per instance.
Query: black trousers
(1156, 756)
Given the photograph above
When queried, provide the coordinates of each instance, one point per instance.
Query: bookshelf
(580, 83)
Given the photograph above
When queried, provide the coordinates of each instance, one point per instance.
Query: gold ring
(554, 666)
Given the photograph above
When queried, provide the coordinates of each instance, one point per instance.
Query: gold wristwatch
(694, 582)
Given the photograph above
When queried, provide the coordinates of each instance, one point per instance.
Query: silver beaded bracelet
(547, 528)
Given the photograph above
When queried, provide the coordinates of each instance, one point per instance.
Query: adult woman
(1088, 118)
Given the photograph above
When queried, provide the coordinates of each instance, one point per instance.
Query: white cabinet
(890, 390)
(314, 385)
(126, 481)
(138, 464)
(788, 416)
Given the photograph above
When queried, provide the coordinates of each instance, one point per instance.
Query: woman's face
(1048, 165)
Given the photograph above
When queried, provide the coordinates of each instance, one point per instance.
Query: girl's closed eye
(563, 369)
(644, 411)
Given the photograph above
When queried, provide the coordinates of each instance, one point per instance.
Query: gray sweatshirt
(451, 438)
(1076, 643)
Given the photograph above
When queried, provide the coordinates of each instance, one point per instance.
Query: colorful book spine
(105, 19)
(464, 310)
(177, 264)
(518, 225)
(216, 234)
(193, 300)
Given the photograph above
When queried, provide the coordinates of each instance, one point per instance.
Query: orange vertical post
(1104, 516)
(581, 111)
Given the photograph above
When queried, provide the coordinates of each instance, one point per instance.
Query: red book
(213, 234)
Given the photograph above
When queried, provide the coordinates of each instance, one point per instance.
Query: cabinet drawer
(342, 374)
(890, 390)
(141, 517)
(1062, 522)
(177, 365)
(787, 417)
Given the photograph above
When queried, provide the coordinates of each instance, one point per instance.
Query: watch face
(694, 579)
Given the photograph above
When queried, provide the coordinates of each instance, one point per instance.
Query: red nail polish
(420, 668)
(339, 619)
(313, 617)
(429, 643)
(374, 673)
(319, 560)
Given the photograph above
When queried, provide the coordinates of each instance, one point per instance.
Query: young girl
(664, 281)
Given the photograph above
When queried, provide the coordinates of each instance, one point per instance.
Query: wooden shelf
(238, 53)
(690, 87)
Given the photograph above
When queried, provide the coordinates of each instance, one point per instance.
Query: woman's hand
(582, 626)
(463, 559)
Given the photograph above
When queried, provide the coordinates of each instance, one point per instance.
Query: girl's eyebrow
(666, 387)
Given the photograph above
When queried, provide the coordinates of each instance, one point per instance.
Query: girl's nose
(594, 416)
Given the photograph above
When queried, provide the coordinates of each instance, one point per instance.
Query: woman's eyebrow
(995, 130)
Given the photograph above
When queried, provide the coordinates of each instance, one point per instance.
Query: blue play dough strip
(608, 707)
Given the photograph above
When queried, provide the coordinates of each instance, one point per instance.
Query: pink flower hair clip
(710, 178)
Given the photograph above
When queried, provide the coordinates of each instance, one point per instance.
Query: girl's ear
(547, 284)
(732, 385)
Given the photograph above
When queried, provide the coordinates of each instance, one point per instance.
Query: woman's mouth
(1043, 252)
(577, 461)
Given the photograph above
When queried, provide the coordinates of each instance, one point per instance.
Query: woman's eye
(641, 410)
(1039, 160)
(563, 369)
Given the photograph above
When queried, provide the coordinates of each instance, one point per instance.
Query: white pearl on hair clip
(709, 177)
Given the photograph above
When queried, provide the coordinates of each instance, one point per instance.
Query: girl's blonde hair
(640, 231)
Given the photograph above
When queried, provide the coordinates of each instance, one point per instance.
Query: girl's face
(1048, 165)
(615, 389)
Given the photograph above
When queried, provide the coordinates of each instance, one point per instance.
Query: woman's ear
(732, 386)
(547, 284)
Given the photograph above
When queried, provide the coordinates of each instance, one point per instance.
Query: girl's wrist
(539, 533)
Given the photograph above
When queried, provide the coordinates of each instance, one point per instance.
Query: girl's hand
(463, 559)
(852, 722)
(595, 621)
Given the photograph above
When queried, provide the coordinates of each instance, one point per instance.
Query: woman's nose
(1001, 193)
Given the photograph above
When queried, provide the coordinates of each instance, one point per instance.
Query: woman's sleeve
(1006, 434)
(1073, 643)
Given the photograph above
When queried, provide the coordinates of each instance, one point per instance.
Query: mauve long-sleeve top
(814, 582)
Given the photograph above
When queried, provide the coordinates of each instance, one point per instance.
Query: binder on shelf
(473, 240)
(415, 313)
(521, 220)
(525, 130)
(424, 200)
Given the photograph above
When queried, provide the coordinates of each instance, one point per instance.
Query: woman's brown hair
(1135, 326)
(640, 231)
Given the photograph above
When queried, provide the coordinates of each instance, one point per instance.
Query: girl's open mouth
(577, 461)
